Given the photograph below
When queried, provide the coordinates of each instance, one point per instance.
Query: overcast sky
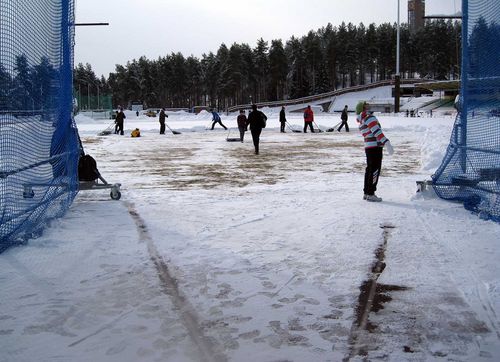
(159, 27)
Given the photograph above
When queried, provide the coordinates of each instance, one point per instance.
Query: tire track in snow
(209, 352)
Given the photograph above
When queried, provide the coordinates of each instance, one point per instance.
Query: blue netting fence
(39, 147)
(470, 171)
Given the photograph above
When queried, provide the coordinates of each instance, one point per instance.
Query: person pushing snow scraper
(344, 117)
(375, 141)
(120, 117)
(161, 119)
(308, 119)
(242, 124)
(216, 119)
(282, 120)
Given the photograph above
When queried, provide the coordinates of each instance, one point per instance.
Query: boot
(373, 198)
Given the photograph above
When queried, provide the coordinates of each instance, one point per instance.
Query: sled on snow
(292, 129)
(108, 130)
(232, 139)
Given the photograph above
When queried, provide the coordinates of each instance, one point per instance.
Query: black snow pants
(344, 123)
(372, 171)
(256, 138)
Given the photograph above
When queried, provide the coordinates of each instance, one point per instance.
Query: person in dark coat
(162, 117)
(257, 121)
(216, 119)
(120, 117)
(242, 124)
(308, 119)
(343, 117)
(282, 120)
(116, 123)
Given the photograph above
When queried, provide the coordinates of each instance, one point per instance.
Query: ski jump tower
(470, 170)
(39, 147)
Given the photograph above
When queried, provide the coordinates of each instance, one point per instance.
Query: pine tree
(5, 88)
(329, 35)
(22, 93)
(43, 79)
(262, 67)
(278, 67)
(297, 75)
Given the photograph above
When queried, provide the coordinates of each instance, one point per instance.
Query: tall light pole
(98, 105)
(88, 85)
(397, 78)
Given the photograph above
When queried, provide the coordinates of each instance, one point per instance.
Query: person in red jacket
(308, 119)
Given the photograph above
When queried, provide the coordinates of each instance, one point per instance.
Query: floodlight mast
(88, 84)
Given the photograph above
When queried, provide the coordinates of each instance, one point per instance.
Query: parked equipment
(89, 177)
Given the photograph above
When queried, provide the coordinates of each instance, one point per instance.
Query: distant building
(416, 13)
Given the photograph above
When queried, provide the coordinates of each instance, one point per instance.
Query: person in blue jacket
(216, 119)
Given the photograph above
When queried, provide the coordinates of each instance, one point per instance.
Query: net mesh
(470, 171)
(39, 147)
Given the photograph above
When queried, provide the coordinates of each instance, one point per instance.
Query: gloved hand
(389, 148)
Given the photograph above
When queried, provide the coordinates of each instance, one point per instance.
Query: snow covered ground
(216, 254)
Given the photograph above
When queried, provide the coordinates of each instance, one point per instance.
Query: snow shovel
(233, 139)
(293, 130)
(174, 132)
(319, 129)
(334, 127)
(107, 131)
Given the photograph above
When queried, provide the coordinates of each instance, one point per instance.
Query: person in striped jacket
(375, 141)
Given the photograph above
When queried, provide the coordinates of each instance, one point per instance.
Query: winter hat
(359, 107)
(254, 107)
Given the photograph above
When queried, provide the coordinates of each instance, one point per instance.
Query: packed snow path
(268, 252)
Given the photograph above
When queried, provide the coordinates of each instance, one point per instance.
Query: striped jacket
(371, 130)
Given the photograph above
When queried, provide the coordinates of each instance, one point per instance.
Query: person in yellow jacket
(135, 133)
